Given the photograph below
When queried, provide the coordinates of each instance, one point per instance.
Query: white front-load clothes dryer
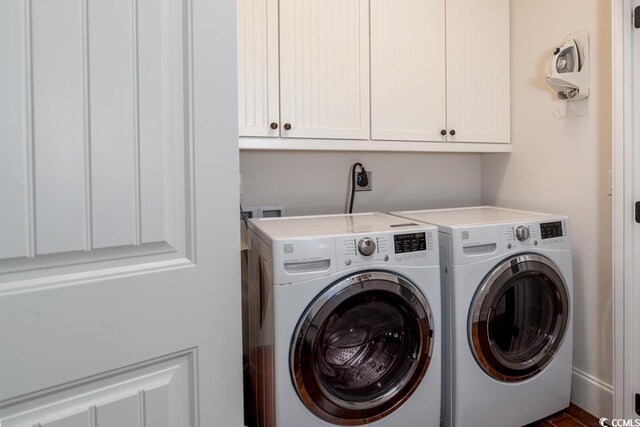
(507, 286)
(344, 321)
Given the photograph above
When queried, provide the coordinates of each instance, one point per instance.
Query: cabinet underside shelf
(368, 145)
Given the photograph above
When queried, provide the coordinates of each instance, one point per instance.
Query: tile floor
(573, 416)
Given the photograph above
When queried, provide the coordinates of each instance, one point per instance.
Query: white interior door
(478, 82)
(258, 52)
(408, 70)
(119, 304)
(324, 69)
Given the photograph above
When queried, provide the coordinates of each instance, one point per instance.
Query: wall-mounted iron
(570, 68)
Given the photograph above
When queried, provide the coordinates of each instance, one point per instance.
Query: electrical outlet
(263, 212)
(272, 211)
(368, 187)
(249, 212)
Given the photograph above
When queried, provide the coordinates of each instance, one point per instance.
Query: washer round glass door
(362, 348)
(519, 318)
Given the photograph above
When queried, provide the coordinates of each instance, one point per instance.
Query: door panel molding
(123, 256)
(57, 334)
(100, 169)
(78, 274)
(154, 393)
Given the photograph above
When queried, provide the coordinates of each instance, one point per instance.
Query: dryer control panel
(535, 234)
(474, 243)
(521, 236)
(551, 230)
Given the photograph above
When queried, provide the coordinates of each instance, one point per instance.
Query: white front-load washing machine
(344, 321)
(507, 286)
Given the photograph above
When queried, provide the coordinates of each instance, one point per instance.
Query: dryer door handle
(488, 248)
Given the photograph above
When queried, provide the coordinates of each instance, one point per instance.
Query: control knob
(367, 246)
(522, 233)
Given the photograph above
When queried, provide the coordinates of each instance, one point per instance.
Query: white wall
(562, 166)
(317, 182)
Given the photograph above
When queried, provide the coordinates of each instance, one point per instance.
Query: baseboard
(591, 394)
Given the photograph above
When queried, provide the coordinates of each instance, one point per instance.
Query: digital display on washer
(551, 230)
(415, 242)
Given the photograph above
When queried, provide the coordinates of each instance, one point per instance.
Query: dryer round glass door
(362, 348)
(519, 318)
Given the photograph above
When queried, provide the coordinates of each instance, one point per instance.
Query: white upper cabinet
(379, 75)
(440, 79)
(258, 91)
(408, 66)
(478, 84)
(324, 69)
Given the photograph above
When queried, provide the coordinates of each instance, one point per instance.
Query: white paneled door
(119, 287)
(408, 70)
(478, 82)
(324, 69)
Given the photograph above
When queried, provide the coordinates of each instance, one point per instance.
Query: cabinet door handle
(274, 126)
(443, 132)
(453, 132)
(287, 126)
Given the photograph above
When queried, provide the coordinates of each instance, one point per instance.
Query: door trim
(623, 199)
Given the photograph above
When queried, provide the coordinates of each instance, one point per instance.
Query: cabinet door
(408, 82)
(324, 68)
(258, 100)
(478, 100)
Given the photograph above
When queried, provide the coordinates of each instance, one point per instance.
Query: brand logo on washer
(465, 235)
(288, 248)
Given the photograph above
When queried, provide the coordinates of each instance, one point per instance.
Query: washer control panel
(416, 248)
(405, 243)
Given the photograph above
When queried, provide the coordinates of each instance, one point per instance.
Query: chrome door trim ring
(542, 359)
(395, 284)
